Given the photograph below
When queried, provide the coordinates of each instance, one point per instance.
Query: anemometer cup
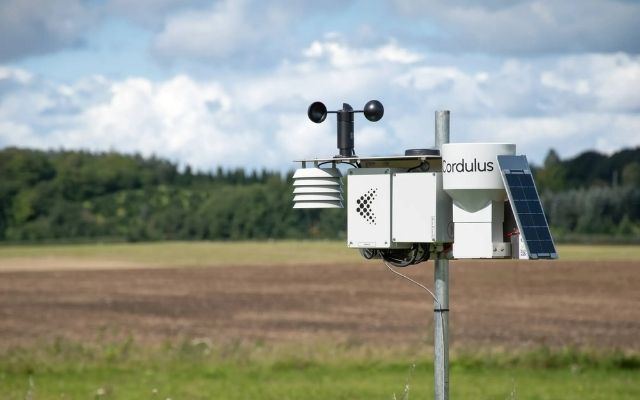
(373, 110)
(317, 112)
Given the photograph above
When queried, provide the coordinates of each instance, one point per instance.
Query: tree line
(592, 195)
(77, 195)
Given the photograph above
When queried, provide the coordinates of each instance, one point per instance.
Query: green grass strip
(198, 369)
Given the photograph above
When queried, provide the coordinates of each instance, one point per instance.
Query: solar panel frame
(527, 208)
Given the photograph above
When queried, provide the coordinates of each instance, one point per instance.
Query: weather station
(449, 201)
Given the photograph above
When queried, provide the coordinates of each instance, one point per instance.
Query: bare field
(594, 304)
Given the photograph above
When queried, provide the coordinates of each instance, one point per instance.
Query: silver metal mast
(441, 305)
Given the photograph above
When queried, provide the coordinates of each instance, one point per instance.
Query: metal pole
(441, 305)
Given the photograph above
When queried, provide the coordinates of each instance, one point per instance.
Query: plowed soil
(585, 304)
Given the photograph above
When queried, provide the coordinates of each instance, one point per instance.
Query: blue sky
(227, 83)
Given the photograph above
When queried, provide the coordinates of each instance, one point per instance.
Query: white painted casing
(471, 176)
(317, 188)
(415, 216)
(369, 208)
(518, 248)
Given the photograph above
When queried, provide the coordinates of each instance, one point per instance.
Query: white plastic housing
(369, 208)
(471, 176)
(317, 188)
(518, 248)
(416, 217)
(390, 208)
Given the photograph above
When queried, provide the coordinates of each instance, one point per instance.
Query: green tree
(552, 177)
(631, 174)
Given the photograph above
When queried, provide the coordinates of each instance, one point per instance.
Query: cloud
(199, 123)
(252, 33)
(196, 30)
(569, 134)
(608, 83)
(576, 83)
(12, 79)
(571, 103)
(226, 31)
(241, 32)
(32, 27)
(178, 118)
(340, 55)
(528, 26)
(13, 74)
(214, 33)
(152, 13)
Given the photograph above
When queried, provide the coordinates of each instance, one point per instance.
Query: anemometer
(373, 111)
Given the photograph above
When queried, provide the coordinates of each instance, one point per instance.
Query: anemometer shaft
(345, 131)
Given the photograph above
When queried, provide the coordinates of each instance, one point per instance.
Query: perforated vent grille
(364, 205)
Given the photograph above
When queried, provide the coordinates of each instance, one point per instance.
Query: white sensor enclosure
(369, 208)
(392, 208)
(471, 176)
(418, 214)
(317, 188)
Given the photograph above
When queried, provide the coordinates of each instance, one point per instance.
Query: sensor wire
(423, 287)
(414, 282)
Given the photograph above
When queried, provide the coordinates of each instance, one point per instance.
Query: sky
(228, 82)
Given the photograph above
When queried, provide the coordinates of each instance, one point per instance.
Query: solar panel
(525, 203)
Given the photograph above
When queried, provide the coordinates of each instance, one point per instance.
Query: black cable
(418, 166)
(426, 253)
(339, 162)
(397, 263)
(408, 259)
(418, 253)
(368, 253)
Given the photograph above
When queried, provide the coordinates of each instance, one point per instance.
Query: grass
(594, 252)
(201, 370)
(194, 254)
